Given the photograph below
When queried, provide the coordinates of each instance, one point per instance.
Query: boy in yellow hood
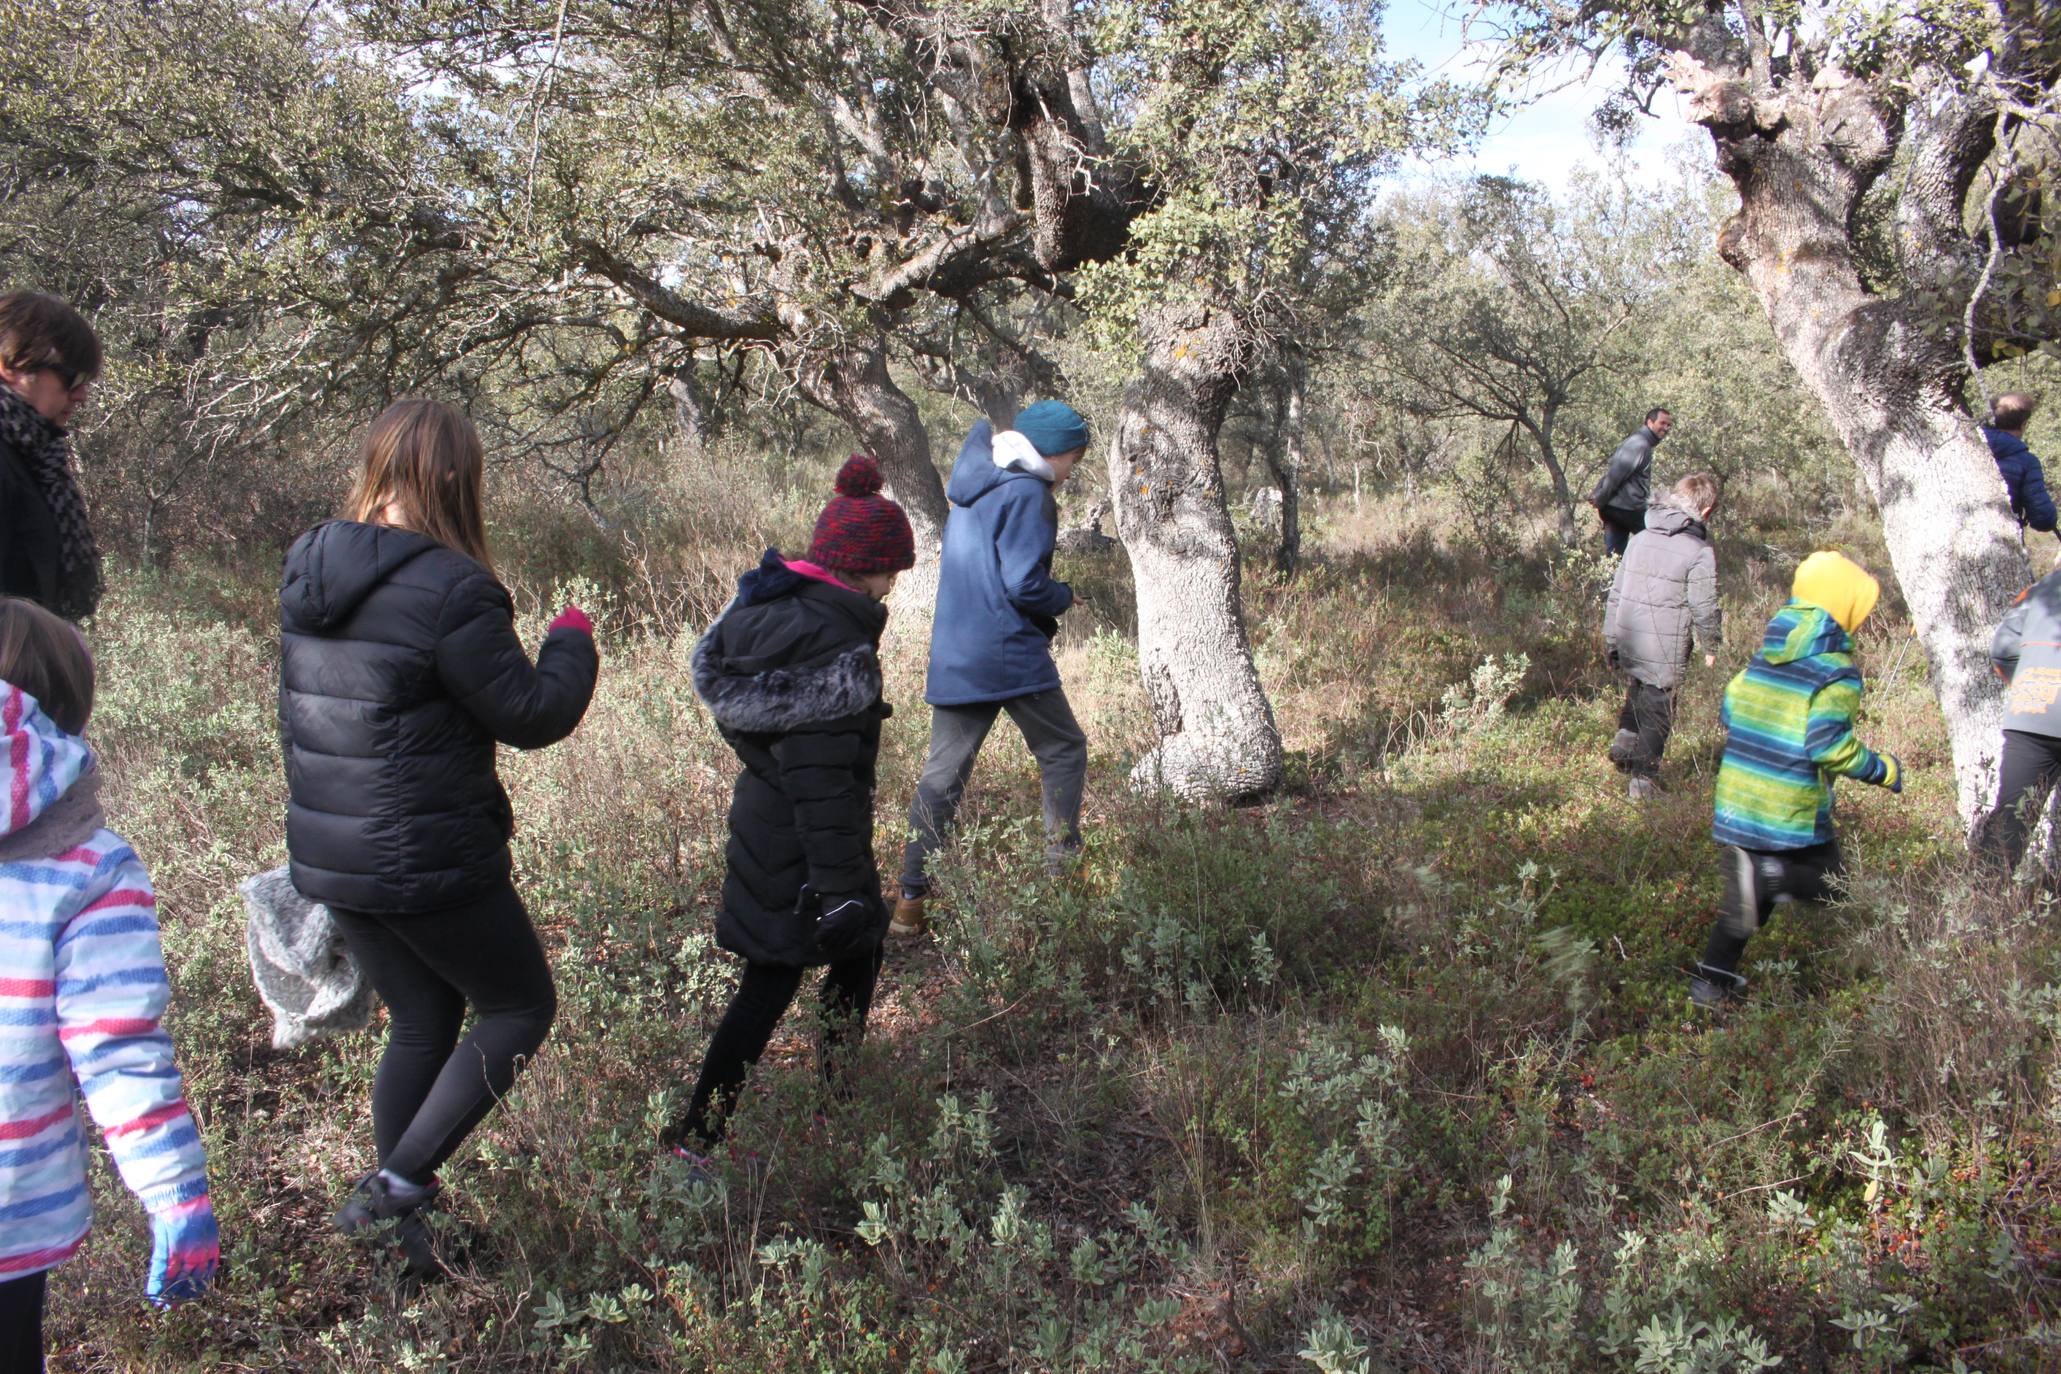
(1788, 733)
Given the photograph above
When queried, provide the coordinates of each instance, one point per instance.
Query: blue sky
(1544, 141)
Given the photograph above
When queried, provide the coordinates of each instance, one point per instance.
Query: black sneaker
(373, 1201)
(416, 1246)
(1715, 988)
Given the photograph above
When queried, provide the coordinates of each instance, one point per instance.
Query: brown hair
(38, 332)
(2013, 410)
(46, 657)
(425, 458)
(1696, 493)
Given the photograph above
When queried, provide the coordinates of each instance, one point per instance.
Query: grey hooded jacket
(1664, 599)
(1627, 483)
(2027, 651)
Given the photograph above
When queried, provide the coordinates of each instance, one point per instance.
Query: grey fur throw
(304, 974)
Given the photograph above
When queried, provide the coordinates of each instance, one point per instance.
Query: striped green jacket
(1788, 732)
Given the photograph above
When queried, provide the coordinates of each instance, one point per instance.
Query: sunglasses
(75, 382)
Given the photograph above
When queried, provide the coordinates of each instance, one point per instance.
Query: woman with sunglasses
(49, 359)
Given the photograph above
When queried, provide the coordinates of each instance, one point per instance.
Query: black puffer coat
(31, 554)
(792, 675)
(399, 670)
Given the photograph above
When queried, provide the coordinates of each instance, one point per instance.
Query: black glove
(846, 925)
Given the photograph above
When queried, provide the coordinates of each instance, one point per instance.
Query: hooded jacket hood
(1839, 585)
(332, 568)
(43, 762)
(769, 581)
(1801, 630)
(1666, 519)
(975, 474)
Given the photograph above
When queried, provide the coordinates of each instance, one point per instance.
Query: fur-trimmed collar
(780, 699)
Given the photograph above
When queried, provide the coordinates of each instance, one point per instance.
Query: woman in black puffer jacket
(791, 673)
(400, 670)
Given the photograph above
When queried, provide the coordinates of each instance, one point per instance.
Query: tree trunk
(691, 412)
(1549, 457)
(1801, 158)
(857, 387)
(1218, 740)
(1284, 462)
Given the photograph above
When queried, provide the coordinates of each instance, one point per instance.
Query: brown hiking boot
(909, 919)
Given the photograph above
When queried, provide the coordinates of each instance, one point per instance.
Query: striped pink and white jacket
(82, 988)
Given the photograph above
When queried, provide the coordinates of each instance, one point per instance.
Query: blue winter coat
(2024, 482)
(998, 605)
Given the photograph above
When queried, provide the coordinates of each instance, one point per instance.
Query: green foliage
(1235, 1090)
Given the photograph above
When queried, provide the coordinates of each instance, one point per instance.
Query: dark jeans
(21, 1324)
(1649, 713)
(763, 997)
(432, 1087)
(1754, 880)
(2025, 774)
(1618, 528)
(956, 734)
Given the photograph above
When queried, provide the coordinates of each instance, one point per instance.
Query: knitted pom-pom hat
(860, 530)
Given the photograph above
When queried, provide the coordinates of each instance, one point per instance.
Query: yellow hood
(1840, 585)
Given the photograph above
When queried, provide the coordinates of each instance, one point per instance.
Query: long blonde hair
(424, 457)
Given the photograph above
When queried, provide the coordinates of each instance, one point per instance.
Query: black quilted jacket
(792, 676)
(399, 670)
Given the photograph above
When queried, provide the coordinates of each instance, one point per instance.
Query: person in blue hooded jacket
(998, 609)
(2025, 484)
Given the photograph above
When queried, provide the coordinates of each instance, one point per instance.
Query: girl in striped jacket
(82, 986)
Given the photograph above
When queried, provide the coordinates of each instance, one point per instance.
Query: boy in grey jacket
(2026, 650)
(1663, 600)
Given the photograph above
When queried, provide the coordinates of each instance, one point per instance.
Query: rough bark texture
(857, 387)
(1802, 153)
(1218, 740)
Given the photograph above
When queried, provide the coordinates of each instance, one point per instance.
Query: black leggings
(21, 1324)
(1755, 879)
(433, 1088)
(2025, 774)
(763, 996)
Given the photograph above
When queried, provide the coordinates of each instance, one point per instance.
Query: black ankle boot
(373, 1201)
(1714, 987)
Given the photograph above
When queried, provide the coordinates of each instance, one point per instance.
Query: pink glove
(573, 618)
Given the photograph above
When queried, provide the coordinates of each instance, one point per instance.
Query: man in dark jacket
(791, 673)
(49, 358)
(1621, 493)
(1663, 601)
(2025, 484)
(998, 609)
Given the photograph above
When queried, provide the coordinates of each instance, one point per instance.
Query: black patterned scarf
(48, 460)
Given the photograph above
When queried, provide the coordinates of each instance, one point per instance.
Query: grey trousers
(956, 734)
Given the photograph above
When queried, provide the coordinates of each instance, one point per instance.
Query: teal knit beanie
(1052, 427)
